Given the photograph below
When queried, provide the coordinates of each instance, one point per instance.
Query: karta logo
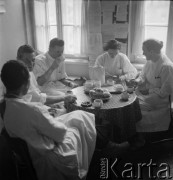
(133, 171)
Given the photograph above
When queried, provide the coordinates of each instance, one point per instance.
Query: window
(150, 19)
(58, 18)
(156, 20)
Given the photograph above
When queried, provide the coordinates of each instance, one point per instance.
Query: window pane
(71, 12)
(67, 11)
(159, 33)
(52, 32)
(156, 20)
(40, 13)
(52, 12)
(71, 21)
(156, 12)
(72, 40)
(40, 25)
(41, 39)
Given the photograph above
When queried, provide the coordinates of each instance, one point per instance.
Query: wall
(12, 33)
(77, 68)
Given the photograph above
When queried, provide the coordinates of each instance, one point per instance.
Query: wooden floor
(153, 161)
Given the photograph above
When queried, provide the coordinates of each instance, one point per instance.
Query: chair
(15, 160)
(159, 137)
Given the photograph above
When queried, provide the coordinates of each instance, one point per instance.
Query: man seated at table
(49, 69)
(26, 54)
(62, 144)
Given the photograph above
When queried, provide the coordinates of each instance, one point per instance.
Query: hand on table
(70, 98)
(144, 91)
(73, 85)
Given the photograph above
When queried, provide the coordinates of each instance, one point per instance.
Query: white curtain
(169, 45)
(40, 25)
(91, 42)
(71, 24)
(84, 27)
(136, 29)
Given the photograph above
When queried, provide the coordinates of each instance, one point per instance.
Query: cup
(110, 82)
(97, 84)
(98, 103)
(125, 96)
(130, 89)
(88, 85)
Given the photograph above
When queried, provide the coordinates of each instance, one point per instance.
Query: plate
(124, 100)
(103, 99)
(86, 91)
(86, 104)
(116, 92)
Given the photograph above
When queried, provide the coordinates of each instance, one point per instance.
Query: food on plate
(98, 93)
(86, 104)
(125, 96)
(106, 94)
(119, 88)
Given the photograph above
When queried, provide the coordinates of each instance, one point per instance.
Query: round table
(122, 115)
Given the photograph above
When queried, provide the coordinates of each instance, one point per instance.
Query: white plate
(103, 99)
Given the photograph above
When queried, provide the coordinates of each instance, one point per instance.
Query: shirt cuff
(43, 98)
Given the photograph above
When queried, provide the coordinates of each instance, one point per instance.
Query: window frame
(139, 58)
(59, 26)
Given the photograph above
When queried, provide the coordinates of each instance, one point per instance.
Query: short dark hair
(153, 44)
(112, 44)
(14, 74)
(24, 49)
(56, 42)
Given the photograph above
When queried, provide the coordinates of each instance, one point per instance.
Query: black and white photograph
(86, 89)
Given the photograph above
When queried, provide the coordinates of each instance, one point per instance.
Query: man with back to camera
(49, 69)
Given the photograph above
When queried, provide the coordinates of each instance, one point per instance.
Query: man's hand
(70, 98)
(57, 61)
(73, 85)
(144, 91)
(138, 81)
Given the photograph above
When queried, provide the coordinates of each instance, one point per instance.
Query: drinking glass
(97, 83)
(88, 85)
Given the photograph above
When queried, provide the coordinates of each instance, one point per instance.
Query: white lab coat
(157, 77)
(64, 144)
(119, 65)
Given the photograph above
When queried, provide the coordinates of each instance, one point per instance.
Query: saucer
(86, 104)
(125, 100)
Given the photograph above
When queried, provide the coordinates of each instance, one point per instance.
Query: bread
(98, 93)
(119, 88)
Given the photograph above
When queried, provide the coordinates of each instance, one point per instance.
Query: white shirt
(114, 66)
(42, 64)
(157, 77)
(63, 144)
(34, 94)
